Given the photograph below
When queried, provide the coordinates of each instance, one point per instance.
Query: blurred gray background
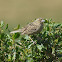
(21, 12)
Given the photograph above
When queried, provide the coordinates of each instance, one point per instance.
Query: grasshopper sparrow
(32, 28)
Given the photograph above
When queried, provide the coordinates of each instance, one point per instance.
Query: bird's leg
(31, 39)
(34, 42)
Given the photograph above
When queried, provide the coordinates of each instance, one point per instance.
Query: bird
(32, 28)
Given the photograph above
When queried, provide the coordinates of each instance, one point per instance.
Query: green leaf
(7, 26)
(60, 43)
(2, 24)
(60, 51)
(53, 50)
(61, 25)
(30, 60)
(47, 28)
(16, 49)
(16, 35)
(9, 43)
(57, 25)
(14, 56)
(0, 36)
(46, 21)
(30, 46)
(50, 19)
(27, 37)
(17, 27)
(9, 57)
(40, 46)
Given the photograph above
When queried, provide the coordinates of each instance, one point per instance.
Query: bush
(46, 45)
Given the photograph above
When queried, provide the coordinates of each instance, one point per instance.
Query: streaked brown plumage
(32, 28)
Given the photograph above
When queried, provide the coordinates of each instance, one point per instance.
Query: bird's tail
(15, 31)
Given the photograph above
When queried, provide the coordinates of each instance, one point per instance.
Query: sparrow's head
(40, 20)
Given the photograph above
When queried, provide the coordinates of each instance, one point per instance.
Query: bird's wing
(26, 27)
(30, 28)
(22, 29)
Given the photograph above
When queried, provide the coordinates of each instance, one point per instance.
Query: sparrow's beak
(43, 21)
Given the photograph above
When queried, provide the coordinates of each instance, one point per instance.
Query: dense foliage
(45, 47)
